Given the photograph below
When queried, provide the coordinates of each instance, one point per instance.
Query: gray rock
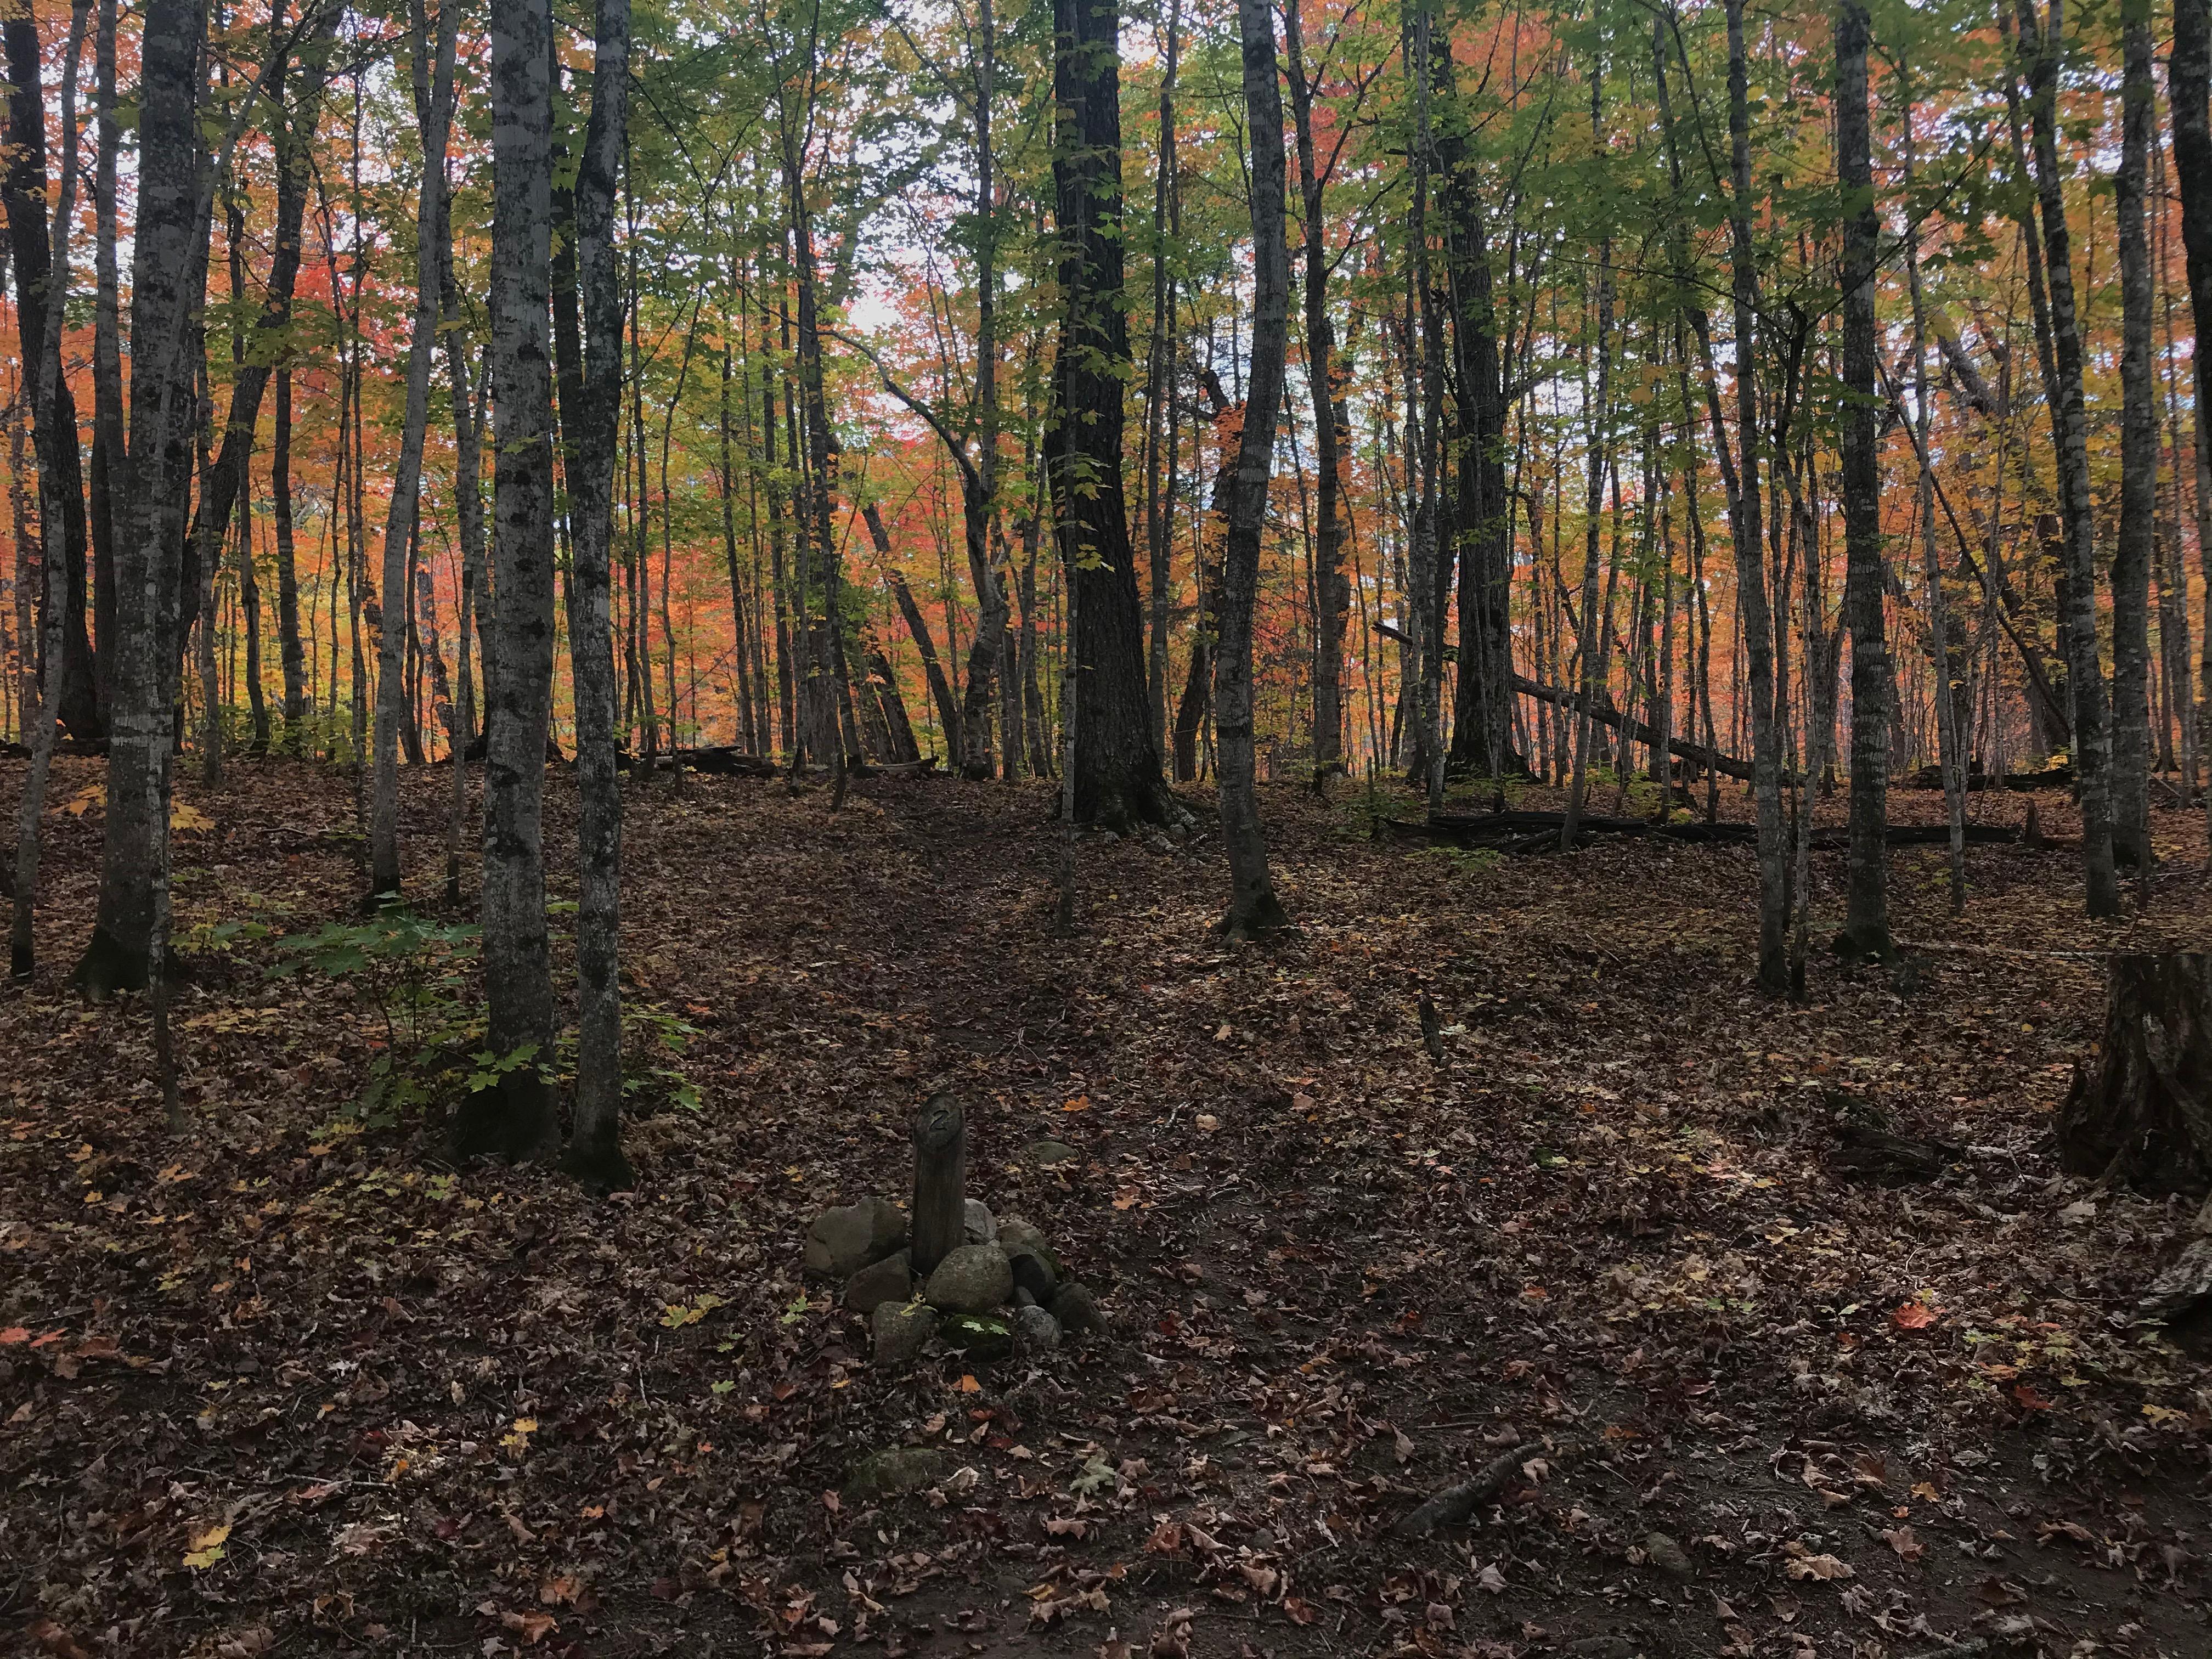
(901, 1330)
(1664, 1554)
(1046, 1153)
(890, 1280)
(978, 1337)
(896, 1471)
(1022, 1299)
(1076, 1309)
(972, 1280)
(1015, 1235)
(844, 1240)
(1033, 1274)
(1036, 1328)
(982, 1226)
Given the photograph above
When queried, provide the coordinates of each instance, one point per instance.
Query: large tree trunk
(1117, 765)
(2070, 423)
(595, 1155)
(516, 1119)
(54, 431)
(2190, 86)
(2139, 457)
(434, 97)
(157, 477)
(1254, 909)
(2141, 1109)
(1866, 922)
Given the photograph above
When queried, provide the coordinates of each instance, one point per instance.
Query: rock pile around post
(1002, 1291)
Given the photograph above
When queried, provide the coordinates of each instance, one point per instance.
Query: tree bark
(2139, 457)
(2070, 423)
(514, 1119)
(2190, 88)
(433, 96)
(940, 1182)
(2140, 1108)
(595, 1155)
(1254, 909)
(150, 531)
(54, 428)
(55, 646)
(1117, 763)
(1332, 592)
(1865, 921)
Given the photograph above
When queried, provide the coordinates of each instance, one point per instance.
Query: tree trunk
(1117, 765)
(2141, 1109)
(1757, 623)
(108, 440)
(1332, 592)
(515, 1118)
(595, 1155)
(54, 428)
(2139, 456)
(1254, 910)
(1865, 921)
(2190, 87)
(56, 647)
(2070, 423)
(434, 97)
(940, 692)
(150, 531)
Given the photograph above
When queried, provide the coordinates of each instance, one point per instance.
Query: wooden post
(940, 1182)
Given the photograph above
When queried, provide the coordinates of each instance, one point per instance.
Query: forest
(1130, 827)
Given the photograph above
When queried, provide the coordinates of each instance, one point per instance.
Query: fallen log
(1605, 714)
(1526, 831)
(1931, 777)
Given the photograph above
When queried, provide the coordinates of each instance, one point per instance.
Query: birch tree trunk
(156, 478)
(516, 1119)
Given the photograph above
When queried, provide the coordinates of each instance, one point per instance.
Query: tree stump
(2140, 1108)
(940, 1182)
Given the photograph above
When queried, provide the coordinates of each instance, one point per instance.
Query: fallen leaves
(206, 1548)
(1799, 1562)
(1913, 1316)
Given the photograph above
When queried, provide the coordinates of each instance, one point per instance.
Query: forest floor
(288, 1384)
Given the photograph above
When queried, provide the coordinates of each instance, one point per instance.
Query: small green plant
(1466, 860)
(412, 975)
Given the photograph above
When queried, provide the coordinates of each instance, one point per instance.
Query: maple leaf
(1913, 1316)
(1901, 1539)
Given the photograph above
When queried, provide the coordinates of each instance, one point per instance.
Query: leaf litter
(291, 1385)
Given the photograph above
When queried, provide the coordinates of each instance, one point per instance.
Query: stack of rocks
(1002, 1291)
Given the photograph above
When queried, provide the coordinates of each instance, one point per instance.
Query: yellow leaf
(207, 1546)
(968, 1384)
(188, 819)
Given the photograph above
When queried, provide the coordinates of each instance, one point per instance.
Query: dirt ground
(290, 1385)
